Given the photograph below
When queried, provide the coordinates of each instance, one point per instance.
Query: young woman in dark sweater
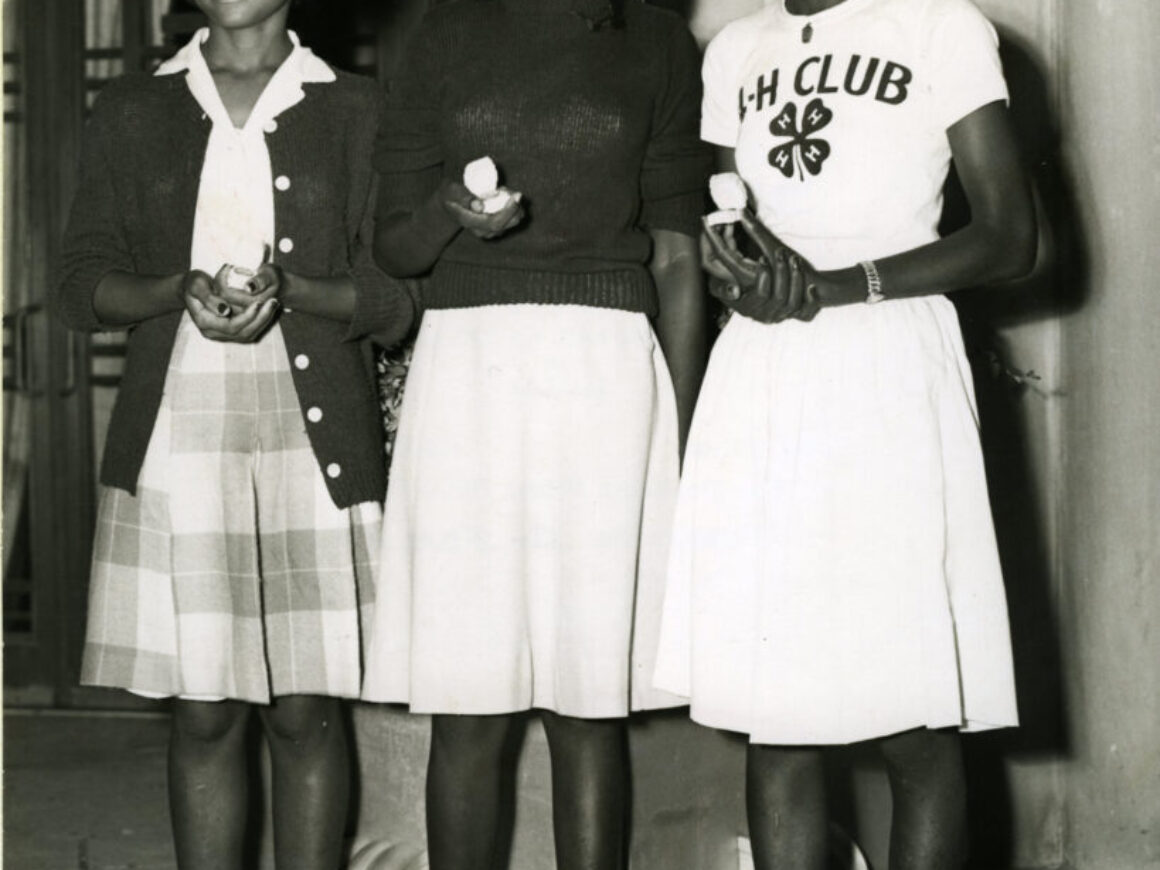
(532, 482)
(223, 217)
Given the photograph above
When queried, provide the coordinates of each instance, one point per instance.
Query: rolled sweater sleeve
(676, 162)
(95, 242)
(384, 307)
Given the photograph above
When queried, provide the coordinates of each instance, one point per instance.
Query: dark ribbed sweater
(597, 129)
(140, 171)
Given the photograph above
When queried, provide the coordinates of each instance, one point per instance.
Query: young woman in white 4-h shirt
(834, 576)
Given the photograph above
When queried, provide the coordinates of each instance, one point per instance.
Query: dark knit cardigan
(597, 128)
(144, 149)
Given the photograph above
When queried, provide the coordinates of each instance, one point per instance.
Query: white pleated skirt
(528, 516)
(834, 574)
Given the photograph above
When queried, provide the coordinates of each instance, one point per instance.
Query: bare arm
(332, 298)
(681, 325)
(998, 244)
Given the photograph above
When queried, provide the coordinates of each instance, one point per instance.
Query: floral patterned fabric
(392, 366)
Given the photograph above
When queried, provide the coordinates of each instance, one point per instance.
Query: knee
(301, 720)
(790, 764)
(209, 721)
(923, 760)
(470, 738)
(570, 733)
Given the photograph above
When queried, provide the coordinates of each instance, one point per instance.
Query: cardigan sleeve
(95, 242)
(384, 307)
(676, 163)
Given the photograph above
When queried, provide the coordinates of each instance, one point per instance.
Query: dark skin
(999, 243)
(466, 770)
(681, 324)
(309, 758)
(785, 793)
(209, 788)
(809, 7)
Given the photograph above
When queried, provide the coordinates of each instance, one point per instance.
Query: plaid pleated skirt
(231, 573)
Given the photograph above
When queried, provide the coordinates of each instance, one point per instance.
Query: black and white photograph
(581, 435)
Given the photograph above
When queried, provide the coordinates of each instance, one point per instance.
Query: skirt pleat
(230, 573)
(527, 520)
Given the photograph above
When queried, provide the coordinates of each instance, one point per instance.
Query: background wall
(1110, 516)
(1068, 378)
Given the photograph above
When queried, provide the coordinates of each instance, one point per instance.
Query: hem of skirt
(431, 709)
(798, 738)
(621, 712)
(673, 702)
(157, 694)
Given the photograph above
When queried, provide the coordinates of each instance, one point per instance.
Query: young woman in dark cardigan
(531, 486)
(224, 217)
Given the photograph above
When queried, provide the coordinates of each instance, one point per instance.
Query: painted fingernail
(251, 287)
(223, 309)
(793, 262)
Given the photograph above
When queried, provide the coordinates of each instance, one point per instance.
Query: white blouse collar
(301, 66)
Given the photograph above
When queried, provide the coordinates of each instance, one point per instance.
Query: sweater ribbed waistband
(468, 285)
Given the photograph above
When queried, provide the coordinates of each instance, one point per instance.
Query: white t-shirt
(839, 119)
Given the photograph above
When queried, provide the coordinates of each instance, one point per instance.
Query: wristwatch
(874, 292)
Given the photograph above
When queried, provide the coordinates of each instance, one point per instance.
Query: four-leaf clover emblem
(803, 152)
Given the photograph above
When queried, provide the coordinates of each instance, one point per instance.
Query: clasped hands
(225, 308)
(778, 286)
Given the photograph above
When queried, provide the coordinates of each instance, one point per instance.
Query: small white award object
(238, 277)
(729, 195)
(482, 178)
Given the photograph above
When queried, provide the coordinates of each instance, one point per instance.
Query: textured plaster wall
(1110, 521)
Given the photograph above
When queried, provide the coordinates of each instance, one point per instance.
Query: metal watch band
(873, 282)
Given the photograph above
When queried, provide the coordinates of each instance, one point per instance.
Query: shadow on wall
(1011, 399)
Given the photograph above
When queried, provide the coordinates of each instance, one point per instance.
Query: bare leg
(589, 790)
(207, 783)
(311, 780)
(927, 783)
(464, 782)
(785, 796)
